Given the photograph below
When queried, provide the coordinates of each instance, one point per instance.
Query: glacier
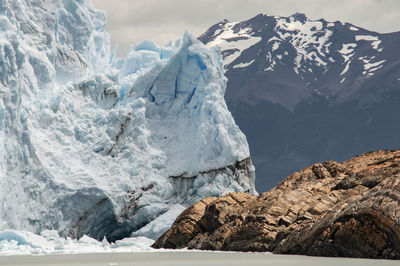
(92, 144)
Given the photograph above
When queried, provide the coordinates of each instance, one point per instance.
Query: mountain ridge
(283, 71)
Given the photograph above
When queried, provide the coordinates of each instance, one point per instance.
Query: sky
(131, 21)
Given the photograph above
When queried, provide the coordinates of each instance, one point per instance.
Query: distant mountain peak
(299, 17)
(297, 85)
(334, 58)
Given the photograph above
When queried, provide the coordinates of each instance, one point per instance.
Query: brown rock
(185, 226)
(347, 209)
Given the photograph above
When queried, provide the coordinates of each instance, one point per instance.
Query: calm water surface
(187, 258)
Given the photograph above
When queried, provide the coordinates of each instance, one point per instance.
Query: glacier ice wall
(97, 145)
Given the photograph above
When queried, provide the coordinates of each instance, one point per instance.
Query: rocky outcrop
(347, 209)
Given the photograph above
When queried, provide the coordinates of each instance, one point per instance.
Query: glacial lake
(187, 258)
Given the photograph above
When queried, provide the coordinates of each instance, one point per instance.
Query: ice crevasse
(97, 145)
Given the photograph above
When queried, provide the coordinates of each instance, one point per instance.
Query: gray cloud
(131, 21)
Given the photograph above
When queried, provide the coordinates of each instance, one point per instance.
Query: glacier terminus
(92, 144)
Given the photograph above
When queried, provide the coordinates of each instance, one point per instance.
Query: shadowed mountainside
(307, 90)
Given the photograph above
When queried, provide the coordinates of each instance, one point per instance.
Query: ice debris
(14, 242)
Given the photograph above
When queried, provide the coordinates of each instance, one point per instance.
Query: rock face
(346, 209)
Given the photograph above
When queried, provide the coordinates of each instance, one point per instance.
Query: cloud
(161, 21)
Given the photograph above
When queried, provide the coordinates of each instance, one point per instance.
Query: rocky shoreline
(348, 209)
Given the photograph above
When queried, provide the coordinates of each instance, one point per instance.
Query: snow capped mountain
(92, 144)
(286, 73)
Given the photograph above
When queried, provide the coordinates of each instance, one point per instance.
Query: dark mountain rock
(304, 91)
(349, 209)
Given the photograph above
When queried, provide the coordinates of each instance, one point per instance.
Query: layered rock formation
(331, 209)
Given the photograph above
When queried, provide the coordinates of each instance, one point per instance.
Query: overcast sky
(130, 21)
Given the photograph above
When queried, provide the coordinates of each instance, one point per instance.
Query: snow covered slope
(92, 144)
(332, 59)
(305, 91)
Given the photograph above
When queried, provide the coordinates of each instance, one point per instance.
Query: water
(191, 258)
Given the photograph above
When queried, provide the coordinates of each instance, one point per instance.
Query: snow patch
(233, 44)
(375, 42)
(366, 38)
(346, 68)
(243, 65)
(310, 40)
(347, 52)
(369, 67)
(271, 62)
(347, 49)
(275, 46)
(274, 39)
